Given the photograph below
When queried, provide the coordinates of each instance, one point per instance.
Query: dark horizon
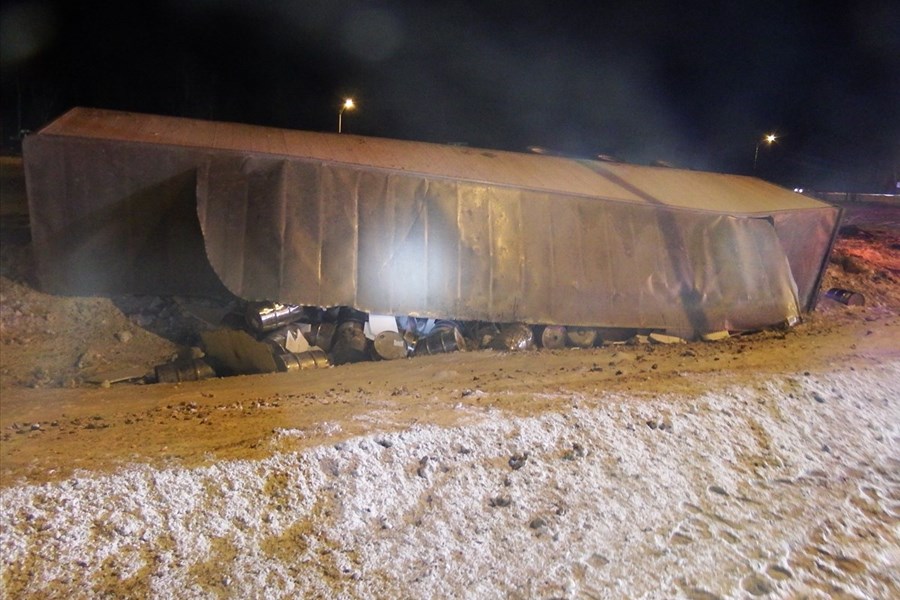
(695, 86)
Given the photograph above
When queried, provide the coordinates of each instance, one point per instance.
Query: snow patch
(615, 496)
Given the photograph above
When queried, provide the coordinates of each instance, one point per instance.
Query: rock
(422, 470)
(756, 585)
(84, 359)
(577, 451)
(143, 320)
(124, 336)
(818, 397)
(500, 501)
(517, 461)
(597, 560)
(537, 523)
(661, 424)
(854, 264)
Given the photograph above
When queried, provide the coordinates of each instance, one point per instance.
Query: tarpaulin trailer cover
(143, 204)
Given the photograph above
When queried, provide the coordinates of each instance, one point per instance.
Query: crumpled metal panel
(115, 218)
(806, 238)
(391, 243)
(125, 203)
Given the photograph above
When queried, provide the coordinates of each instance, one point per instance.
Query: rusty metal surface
(398, 244)
(124, 202)
(614, 181)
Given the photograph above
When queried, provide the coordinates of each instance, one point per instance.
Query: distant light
(769, 139)
(798, 190)
(347, 105)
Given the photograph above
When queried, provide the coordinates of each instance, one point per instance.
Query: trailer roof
(610, 181)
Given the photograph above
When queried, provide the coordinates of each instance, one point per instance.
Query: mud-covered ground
(765, 465)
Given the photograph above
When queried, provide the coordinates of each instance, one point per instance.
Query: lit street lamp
(348, 104)
(769, 139)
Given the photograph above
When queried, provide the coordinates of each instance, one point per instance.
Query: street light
(769, 139)
(348, 104)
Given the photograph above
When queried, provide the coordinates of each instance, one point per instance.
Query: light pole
(769, 139)
(348, 104)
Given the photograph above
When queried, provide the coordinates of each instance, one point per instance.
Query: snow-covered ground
(787, 488)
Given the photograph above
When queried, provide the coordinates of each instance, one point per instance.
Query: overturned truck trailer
(143, 204)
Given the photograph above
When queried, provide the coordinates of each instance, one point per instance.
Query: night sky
(695, 84)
